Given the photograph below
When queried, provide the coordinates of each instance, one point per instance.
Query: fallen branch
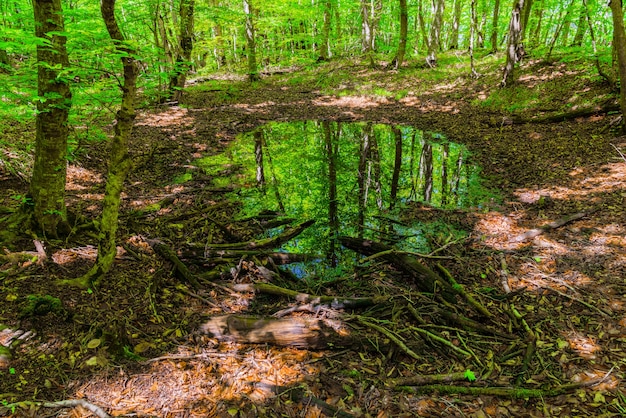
(510, 392)
(426, 279)
(552, 225)
(421, 380)
(335, 302)
(169, 254)
(273, 242)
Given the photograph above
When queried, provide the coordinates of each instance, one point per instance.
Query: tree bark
(119, 161)
(514, 49)
(325, 53)
(47, 186)
(434, 37)
(253, 71)
(185, 46)
(404, 28)
(619, 37)
(494, 29)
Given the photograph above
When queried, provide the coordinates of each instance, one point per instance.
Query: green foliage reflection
(352, 178)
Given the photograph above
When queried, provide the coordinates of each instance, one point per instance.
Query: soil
(132, 345)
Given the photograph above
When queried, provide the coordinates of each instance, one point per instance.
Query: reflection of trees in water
(350, 174)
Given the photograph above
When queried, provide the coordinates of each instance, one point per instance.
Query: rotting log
(426, 279)
(296, 332)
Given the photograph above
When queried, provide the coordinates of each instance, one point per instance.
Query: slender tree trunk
(397, 166)
(444, 173)
(619, 37)
(472, 40)
(563, 22)
(253, 72)
(434, 38)
(601, 72)
(325, 53)
(185, 46)
(514, 49)
(581, 26)
(426, 171)
(332, 148)
(47, 186)
(404, 28)
(368, 29)
(422, 24)
(258, 155)
(119, 160)
(494, 29)
(456, 21)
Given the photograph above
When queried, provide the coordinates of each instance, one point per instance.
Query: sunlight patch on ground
(608, 178)
(173, 117)
(609, 382)
(80, 178)
(583, 345)
(358, 102)
(204, 382)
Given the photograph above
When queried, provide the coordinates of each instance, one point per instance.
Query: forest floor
(132, 345)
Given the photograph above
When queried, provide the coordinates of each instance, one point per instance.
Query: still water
(352, 178)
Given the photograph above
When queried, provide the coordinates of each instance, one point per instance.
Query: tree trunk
(185, 46)
(514, 49)
(581, 26)
(325, 53)
(119, 161)
(368, 19)
(454, 34)
(472, 39)
(332, 151)
(253, 71)
(47, 186)
(494, 29)
(435, 32)
(619, 37)
(404, 27)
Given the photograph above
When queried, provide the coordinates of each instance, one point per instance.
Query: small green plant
(469, 375)
(22, 199)
(38, 305)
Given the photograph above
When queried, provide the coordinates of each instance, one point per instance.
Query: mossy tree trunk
(47, 185)
(325, 52)
(119, 161)
(619, 37)
(185, 46)
(404, 28)
(253, 71)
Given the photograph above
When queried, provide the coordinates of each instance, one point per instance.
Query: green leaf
(469, 375)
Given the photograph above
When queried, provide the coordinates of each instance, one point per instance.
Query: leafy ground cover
(132, 345)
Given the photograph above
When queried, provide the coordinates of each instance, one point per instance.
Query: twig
(69, 403)
(582, 302)
(391, 336)
(619, 152)
(552, 225)
(504, 273)
(442, 341)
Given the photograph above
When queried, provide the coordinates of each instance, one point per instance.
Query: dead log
(426, 279)
(296, 332)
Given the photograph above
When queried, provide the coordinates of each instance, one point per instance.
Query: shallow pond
(352, 178)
